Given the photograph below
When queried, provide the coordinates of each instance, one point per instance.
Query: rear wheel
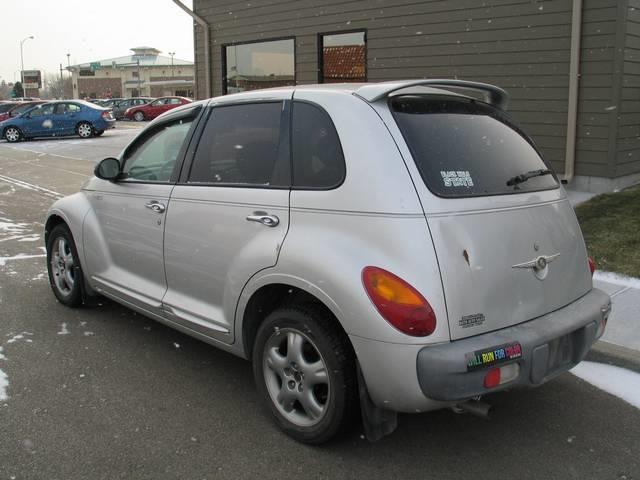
(84, 130)
(12, 134)
(305, 371)
(138, 116)
(65, 274)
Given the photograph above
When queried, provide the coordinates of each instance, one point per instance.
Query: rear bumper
(549, 345)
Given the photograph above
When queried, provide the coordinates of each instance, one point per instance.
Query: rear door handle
(264, 218)
(156, 206)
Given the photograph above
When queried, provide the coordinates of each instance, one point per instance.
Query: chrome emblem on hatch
(540, 265)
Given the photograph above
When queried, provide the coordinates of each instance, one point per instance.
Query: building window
(343, 57)
(251, 66)
(135, 74)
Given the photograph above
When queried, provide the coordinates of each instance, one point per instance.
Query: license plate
(493, 356)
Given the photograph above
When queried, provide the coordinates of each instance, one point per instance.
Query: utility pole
(62, 81)
(30, 37)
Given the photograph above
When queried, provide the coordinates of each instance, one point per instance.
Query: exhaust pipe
(474, 407)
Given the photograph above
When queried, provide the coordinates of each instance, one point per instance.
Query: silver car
(371, 248)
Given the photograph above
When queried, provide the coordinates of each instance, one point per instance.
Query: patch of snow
(617, 279)
(2, 357)
(617, 381)
(20, 256)
(30, 238)
(88, 334)
(63, 329)
(15, 338)
(177, 345)
(4, 383)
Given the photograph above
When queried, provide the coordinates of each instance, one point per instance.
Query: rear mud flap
(377, 422)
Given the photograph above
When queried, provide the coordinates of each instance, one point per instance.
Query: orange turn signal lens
(398, 302)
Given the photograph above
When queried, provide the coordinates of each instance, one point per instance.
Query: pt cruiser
(370, 248)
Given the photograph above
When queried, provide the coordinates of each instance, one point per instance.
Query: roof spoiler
(492, 94)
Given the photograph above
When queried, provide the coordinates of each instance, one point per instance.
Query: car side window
(71, 108)
(174, 101)
(156, 103)
(318, 160)
(243, 145)
(153, 157)
(44, 110)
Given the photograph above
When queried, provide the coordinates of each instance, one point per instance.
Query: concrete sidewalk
(623, 327)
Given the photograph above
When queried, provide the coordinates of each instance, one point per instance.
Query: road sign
(95, 66)
(31, 79)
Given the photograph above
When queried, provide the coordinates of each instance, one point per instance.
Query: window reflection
(343, 58)
(259, 65)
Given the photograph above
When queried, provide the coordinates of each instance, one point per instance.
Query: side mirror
(107, 169)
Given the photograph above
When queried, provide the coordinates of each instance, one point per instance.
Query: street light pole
(172, 54)
(30, 37)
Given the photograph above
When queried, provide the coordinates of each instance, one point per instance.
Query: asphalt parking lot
(104, 393)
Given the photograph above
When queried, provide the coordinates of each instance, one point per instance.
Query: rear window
(465, 148)
(5, 107)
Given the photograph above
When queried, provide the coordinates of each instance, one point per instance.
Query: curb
(612, 354)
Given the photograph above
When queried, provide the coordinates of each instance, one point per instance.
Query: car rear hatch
(507, 240)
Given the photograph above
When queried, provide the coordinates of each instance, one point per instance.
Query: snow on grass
(63, 329)
(617, 381)
(617, 279)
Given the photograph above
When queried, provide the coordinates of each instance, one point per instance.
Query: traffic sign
(95, 66)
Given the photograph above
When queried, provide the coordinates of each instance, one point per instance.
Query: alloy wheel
(296, 377)
(62, 266)
(12, 134)
(85, 130)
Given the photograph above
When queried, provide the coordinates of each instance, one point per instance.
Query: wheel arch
(269, 295)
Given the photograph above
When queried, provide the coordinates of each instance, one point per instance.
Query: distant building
(572, 67)
(145, 73)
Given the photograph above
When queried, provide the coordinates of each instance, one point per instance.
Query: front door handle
(264, 218)
(156, 206)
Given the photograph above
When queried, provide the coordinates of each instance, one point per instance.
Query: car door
(229, 214)
(155, 108)
(67, 117)
(39, 121)
(124, 237)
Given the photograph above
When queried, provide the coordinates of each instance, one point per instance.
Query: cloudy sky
(88, 30)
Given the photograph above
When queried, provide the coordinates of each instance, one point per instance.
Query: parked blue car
(56, 119)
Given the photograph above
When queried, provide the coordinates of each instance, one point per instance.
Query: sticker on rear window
(456, 178)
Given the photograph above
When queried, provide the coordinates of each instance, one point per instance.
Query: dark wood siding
(520, 45)
(628, 135)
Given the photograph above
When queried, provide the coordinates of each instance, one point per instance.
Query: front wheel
(65, 274)
(12, 135)
(138, 116)
(305, 371)
(84, 130)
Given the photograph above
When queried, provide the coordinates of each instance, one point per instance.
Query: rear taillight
(106, 114)
(398, 302)
(592, 265)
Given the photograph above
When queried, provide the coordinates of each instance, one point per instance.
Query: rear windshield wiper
(523, 177)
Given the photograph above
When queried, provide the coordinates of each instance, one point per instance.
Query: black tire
(58, 275)
(339, 401)
(13, 134)
(85, 130)
(139, 116)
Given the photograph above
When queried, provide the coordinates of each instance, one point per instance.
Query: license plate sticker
(493, 356)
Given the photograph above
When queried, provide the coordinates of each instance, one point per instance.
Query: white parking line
(30, 186)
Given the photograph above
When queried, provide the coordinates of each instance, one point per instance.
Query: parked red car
(153, 109)
(16, 109)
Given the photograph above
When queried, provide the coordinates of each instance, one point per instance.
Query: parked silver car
(390, 247)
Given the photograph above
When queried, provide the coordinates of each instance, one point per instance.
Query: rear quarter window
(466, 148)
